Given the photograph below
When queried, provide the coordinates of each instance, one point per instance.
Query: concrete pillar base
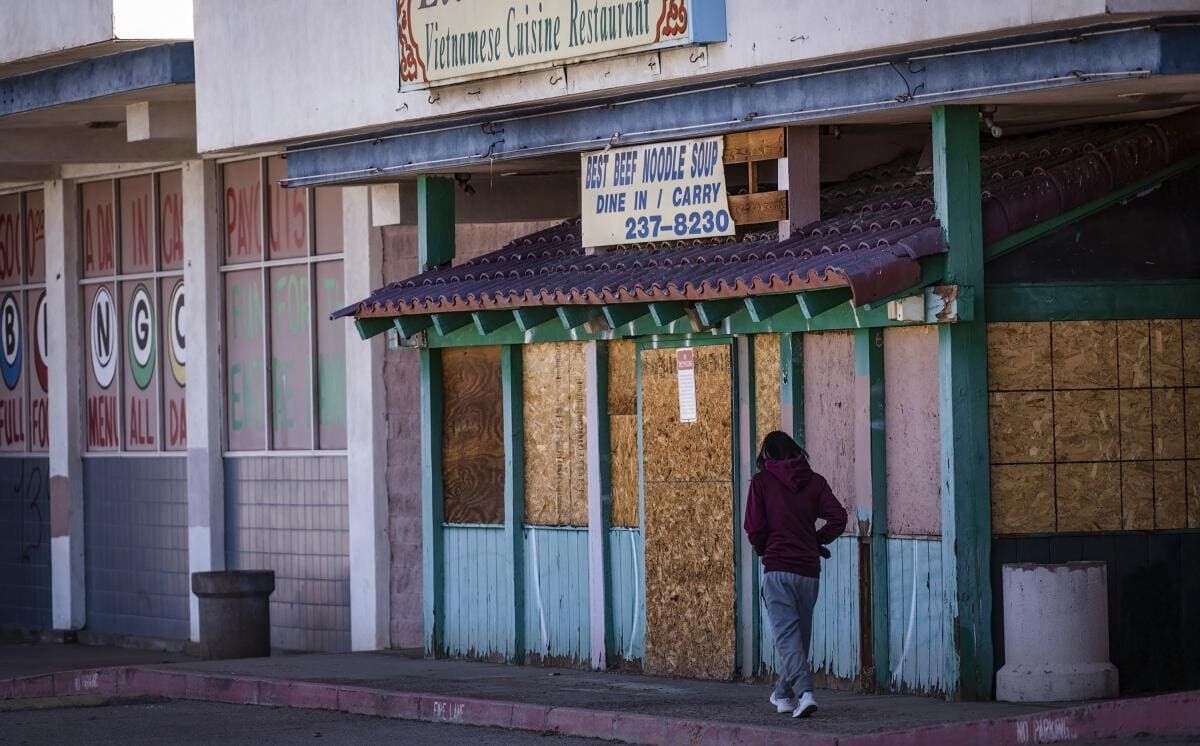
(1064, 683)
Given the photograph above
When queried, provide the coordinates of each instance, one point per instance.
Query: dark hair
(779, 446)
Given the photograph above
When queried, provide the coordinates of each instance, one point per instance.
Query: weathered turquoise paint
(921, 632)
(628, 610)
(791, 384)
(1083, 301)
(435, 222)
(514, 490)
(835, 633)
(432, 535)
(962, 381)
(478, 593)
(556, 621)
(868, 363)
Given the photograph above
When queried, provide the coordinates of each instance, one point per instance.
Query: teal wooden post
(962, 377)
(435, 221)
(514, 491)
(791, 385)
(432, 560)
(868, 364)
(435, 246)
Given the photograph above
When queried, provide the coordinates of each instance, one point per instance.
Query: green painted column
(514, 492)
(791, 384)
(435, 221)
(868, 367)
(435, 246)
(432, 517)
(962, 377)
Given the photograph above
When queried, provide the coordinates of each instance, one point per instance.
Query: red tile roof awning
(876, 227)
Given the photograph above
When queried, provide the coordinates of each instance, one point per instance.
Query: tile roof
(875, 227)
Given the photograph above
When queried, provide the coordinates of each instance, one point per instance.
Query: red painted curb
(1175, 714)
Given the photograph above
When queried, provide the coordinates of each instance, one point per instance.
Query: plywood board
(1021, 427)
(1191, 352)
(1088, 497)
(1170, 495)
(1193, 493)
(1133, 353)
(695, 451)
(622, 430)
(622, 377)
(759, 145)
(1192, 417)
(1169, 429)
(767, 372)
(1166, 353)
(912, 419)
(829, 410)
(1137, 495)
(1137, 424)
(1022, 498)
(1086, 426)
(689, 580)
(1085, 354)
(554, 395)
(473, 435)
(1018, 356)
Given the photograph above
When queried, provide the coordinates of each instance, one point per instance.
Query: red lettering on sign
(141, 231)
(12, 422)
(172, 228)
(289, 221)
(141, 431)
(102, 421)
(40, 424)
(10, 246)
(242, 222)
(35, 237)
(98, 239)
(176, 423)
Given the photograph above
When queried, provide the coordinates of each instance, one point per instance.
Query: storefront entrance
(687, 492)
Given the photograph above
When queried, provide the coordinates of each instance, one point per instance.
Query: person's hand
(824, 550)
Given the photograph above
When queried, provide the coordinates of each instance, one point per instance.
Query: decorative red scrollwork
(673, 21)
(412, 67)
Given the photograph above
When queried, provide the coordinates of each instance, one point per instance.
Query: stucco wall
(277, 69)
(30, 28)
(913, 430)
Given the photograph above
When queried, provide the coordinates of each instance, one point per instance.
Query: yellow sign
(450, 41)
(660, 192)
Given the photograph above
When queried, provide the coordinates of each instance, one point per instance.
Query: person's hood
(794, 472)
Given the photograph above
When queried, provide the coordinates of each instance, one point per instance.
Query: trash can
(235, 613)
(1056, 633)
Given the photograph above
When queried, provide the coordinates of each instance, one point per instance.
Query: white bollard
(1056, 633)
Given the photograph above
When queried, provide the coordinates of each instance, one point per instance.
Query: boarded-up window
(472, 436)
(767, 386)
(1094, 425)
(555, 406)
(622, 432)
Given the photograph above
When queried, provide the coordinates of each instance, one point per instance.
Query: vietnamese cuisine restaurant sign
(660, 192)
(451, 41)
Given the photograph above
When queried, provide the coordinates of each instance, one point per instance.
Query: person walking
(786, 499)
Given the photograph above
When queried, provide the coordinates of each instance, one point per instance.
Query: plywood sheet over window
(622, 430)
(1094, 425)
(767, 377)
(472, 436)
(554, 388)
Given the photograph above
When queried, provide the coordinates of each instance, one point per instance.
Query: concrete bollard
(235, 612)
(1056, 633)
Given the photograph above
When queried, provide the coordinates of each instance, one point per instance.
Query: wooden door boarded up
(688, 477)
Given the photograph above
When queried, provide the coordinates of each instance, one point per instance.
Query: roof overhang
(890, 88)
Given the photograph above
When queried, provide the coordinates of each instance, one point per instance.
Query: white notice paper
(685, 367)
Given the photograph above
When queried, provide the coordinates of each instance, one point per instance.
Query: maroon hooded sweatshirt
(786, 498)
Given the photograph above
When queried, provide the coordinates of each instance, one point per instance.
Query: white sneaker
(805, 707)
(782, 704)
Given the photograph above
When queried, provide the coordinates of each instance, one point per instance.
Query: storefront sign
(659, 192)
(451, 41)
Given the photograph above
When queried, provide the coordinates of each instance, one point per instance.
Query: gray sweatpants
(790, 599)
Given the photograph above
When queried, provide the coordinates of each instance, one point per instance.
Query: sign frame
(675, 23)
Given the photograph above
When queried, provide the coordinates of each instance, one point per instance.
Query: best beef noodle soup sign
(660, 192)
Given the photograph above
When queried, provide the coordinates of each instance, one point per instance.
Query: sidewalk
(631, 708)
